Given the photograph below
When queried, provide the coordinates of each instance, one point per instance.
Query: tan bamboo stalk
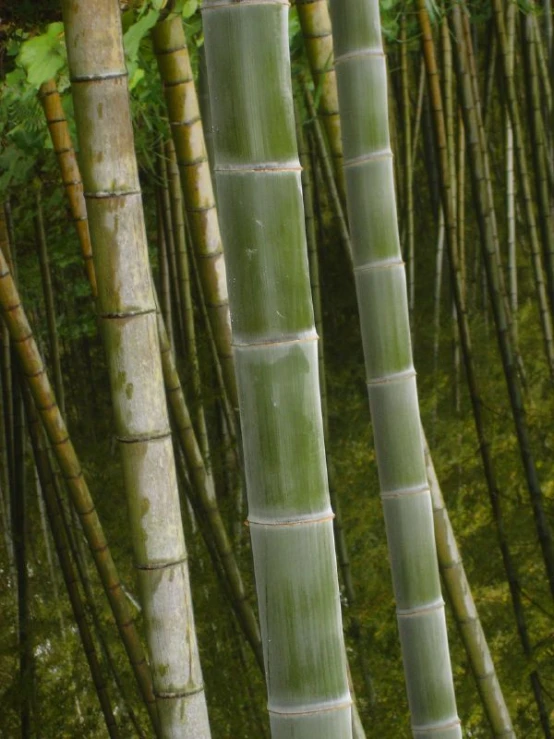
(163, 268)
(461, 203)
(318, 39)
(34, 370)
(188, 441)
(63, 148)
(69, 574)
(326, 168)
(128, 317)
(170, 247)
(187, 317)
(419, 110)
(53, 343)
(505, 33)
(186, 128)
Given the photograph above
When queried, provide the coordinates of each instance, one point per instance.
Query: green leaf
(43, 56)
(189, 8)
(134, 35)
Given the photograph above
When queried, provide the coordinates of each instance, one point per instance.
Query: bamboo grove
(231, 233)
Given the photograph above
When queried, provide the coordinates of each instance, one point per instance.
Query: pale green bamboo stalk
(382, 301)
(290, 519)
(128, 317)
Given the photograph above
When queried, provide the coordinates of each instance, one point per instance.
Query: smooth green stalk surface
(260, 209)
(382, 301)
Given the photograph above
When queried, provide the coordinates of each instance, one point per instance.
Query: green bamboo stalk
(290, 519)
(343, 558)
(35, 372)
(505, 33)
(482, 197)
(186, 128)
(63, 148)
(318, 39)
(54, 513)
(382, 301)
(53, 343)
(408, 169)
(128, 316)
(465, 612)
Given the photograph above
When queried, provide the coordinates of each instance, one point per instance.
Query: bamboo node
(436, 605)
(299, 521)
(393, 377)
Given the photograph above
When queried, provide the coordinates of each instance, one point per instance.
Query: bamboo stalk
(260, 208)
(127, 312)
(65, 153)
(465, 611)
(382, 301)
(316, 29)
(54, 514)
(35, 373)
(186, 128)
